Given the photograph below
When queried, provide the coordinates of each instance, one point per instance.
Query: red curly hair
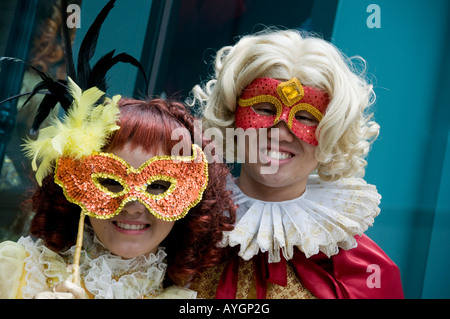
(192, 245)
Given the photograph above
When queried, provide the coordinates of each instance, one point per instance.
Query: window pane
(45, 52)
(198, 28)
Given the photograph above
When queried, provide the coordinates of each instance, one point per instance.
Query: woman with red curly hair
(136, 253)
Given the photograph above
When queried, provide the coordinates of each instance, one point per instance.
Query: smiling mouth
(130, 227)
(277, 155)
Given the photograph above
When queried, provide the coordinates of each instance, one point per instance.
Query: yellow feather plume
(83, 130)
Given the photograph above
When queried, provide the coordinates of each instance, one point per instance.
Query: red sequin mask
(82, 183)
(288, 98)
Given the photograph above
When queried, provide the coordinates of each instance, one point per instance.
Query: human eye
(306, 118)
(265, 109)
(158, 187)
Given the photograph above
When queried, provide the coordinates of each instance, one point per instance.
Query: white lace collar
(104, 275)
(324, 218)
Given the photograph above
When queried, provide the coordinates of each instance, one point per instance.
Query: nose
(284, 133)
(134, 208)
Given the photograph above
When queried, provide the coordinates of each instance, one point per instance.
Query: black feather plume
(105, 63)
(56, 89)
(85, 77)
(37, 88)
(49, 101)
(88, 46)
(13, 97)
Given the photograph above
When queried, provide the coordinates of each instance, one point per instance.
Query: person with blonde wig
(304, 110)
(118, 212)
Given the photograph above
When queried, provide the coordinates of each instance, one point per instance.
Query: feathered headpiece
(84, 129)
(90, 117)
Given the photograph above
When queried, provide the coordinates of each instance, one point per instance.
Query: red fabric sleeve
(364, 272)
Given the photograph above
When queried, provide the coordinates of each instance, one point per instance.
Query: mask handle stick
(79, 244)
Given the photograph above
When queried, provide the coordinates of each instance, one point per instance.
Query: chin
(273, 180)
(130, 252)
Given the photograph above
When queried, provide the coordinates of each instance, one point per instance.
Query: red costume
(343, 276)
(308, 247)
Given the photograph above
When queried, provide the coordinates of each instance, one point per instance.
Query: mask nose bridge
(136, 200)
(135, 189)
(284, 116)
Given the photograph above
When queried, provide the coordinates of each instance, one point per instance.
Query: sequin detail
(288, 97)
(188, 176)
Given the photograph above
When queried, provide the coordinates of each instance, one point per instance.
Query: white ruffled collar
(104, 275)
(324, 218)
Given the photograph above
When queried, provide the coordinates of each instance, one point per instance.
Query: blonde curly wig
(345, 133)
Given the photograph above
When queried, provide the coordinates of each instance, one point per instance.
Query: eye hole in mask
(268, 109)
(158, 187)
(102, 183)
(117, 187)
(300, 107)
(265, 109)
(306, 118)
(112, 185)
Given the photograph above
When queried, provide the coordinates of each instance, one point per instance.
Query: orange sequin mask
(81, 182)
(289, 98)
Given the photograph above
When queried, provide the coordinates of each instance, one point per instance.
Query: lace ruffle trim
(325, 218)
(104, 275)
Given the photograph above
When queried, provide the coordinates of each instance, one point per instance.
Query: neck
(270, 193)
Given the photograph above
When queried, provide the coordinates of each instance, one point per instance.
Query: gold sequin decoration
(188, 176)
(291, 91)
(95, 179)
(262, 99)
(304, 107)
